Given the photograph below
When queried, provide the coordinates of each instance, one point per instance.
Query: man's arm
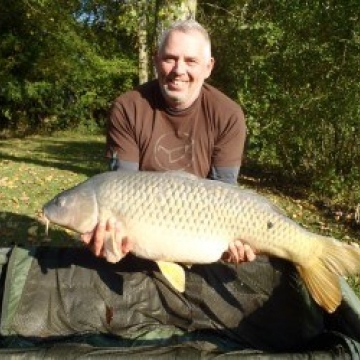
(225, 174)
(117, 164)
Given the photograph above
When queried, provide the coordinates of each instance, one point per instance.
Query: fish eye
(60, 201)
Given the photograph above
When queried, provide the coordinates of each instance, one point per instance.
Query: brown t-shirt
(142, 129)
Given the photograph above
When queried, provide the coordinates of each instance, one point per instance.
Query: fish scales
(177, 217)
(166, 207)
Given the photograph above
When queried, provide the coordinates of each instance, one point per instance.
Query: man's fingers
(105, 229)
(111, 225)
(118, 233)
(235, 255)
(126, 246)
(239, 252)
(99, 237)
(249, 253)
(87, 237)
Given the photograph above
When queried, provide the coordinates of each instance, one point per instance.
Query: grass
(36, 168)
(33, 170)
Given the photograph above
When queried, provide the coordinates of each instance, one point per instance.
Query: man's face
(182, 66)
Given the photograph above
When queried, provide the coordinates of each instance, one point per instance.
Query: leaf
(24, 198)
(49, 178)
(3, 181)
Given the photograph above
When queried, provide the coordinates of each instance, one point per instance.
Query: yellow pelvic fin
(174, 273)
(322, 276)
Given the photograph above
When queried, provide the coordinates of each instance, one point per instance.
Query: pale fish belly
(177, 245)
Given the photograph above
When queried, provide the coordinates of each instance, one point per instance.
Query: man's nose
(179, 67)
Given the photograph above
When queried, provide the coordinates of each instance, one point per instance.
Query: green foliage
(63, 78)
(339, 189)
(294, 67)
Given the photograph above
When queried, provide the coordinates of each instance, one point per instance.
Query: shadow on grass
(23, 230)
(79, 156)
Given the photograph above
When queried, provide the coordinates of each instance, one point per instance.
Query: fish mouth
(85, 237)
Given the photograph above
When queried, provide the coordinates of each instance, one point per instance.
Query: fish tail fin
(322, 276)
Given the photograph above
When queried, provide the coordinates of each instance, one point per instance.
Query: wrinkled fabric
(260, 305)
(337, 348)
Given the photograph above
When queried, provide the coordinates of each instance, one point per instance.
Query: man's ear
(210, 66)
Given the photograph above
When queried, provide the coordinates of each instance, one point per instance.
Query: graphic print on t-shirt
(174, 152)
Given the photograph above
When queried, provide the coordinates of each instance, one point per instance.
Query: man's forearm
(225, 174)
(116, 164)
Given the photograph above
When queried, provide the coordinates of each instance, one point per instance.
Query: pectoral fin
(112, 253)
(116, 243)
(174, 273)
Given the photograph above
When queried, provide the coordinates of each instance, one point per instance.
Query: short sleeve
(120, 136)
(229, 144)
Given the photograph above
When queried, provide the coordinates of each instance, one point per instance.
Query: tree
(64, 77)
(143, 42)
(293, 66)
(168, 11)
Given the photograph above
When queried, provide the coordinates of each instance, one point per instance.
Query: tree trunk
(143, 46)
(168, 11)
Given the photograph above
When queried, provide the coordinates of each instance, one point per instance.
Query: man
(177, 122)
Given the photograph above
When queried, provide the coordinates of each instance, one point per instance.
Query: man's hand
(105, 230)
(239, 252)
(95, 240)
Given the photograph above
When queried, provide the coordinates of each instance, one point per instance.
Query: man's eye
(191, 62)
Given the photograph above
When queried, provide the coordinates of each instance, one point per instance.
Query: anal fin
(174, 273)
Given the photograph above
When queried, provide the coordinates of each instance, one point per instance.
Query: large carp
(176, 217)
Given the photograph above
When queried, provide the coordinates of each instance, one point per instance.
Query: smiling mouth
(176, 83)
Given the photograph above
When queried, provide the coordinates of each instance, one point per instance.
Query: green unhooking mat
(63, 303)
